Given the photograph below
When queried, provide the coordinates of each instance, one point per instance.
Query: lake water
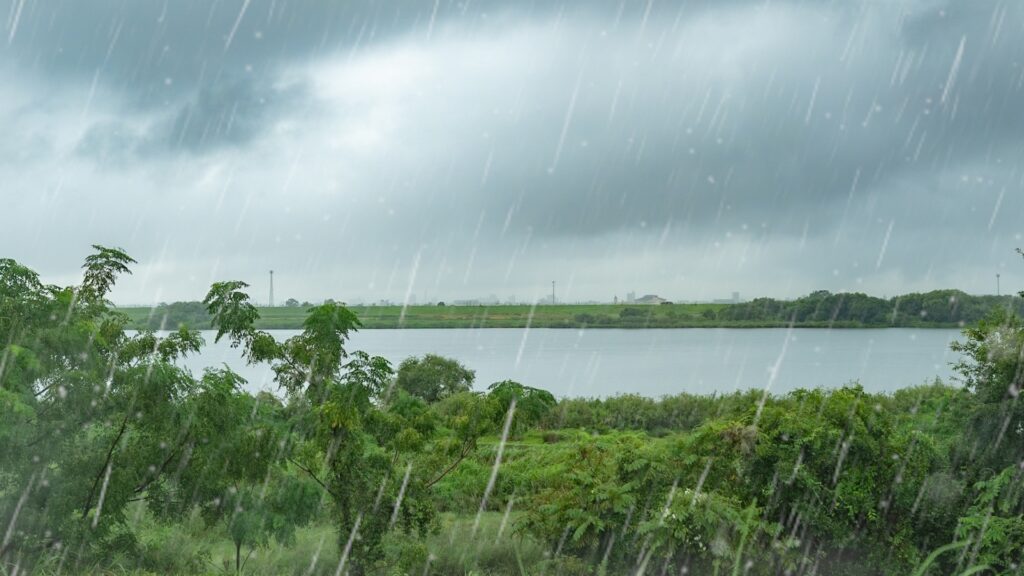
(653, 362)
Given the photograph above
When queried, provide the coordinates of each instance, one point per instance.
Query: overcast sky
(374, 149)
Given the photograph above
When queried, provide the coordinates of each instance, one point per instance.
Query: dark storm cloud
(869, 106)
(141, 45)
(230, 112)
(872, 145)
(212, 62)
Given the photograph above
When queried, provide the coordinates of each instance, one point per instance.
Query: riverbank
(577, 316)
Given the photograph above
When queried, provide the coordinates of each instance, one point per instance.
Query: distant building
(649, 299)
(491, 300)
(630, 297)
(734, 300)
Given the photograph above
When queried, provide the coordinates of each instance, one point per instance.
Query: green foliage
(632, 313)
(175, 315)
(230, 311)
(938, 307)
(992, 357)
(992, 366)
(811, 471)
(704, 531)
(597, 493)
(371, 372)
(94, 419)
(358, 437)
(658, 417)
(994, 523)
(321, 344)
(532, 405)
(113, 458)
(101, 270)
(433, 377)
(466, 417)
(275, 509)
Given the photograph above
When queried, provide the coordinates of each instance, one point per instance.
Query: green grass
(191, 547)
(501, 316)
(558, 316)
(817, 310)
(460, 547)
(578, 316)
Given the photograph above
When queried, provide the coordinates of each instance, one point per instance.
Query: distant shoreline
(566, 316)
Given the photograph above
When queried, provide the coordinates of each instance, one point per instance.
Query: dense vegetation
(939, 308)
(936, 308)
(192, 314)
(113, 459)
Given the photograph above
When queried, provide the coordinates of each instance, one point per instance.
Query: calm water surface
(653, 362)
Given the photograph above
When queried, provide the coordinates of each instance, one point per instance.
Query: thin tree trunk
(145, 484)
(238, 557)
(106, 463)
(466, 449)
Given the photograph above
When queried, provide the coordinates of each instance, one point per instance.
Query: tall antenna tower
(271, 288)
(552, 292)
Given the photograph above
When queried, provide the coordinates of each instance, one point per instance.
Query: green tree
(255, 514)
(992, 366)
(433, 377)
(532, 405)
(353, 432)
(466, 416)
(94, 418)
(177, 315)
(236, 448)
(993, 526)
(586, 512)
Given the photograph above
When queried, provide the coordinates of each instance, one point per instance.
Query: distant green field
(558, 316)
(821, 309)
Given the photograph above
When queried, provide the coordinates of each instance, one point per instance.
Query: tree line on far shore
(937, 308)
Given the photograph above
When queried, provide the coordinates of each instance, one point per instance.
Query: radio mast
(271, 288)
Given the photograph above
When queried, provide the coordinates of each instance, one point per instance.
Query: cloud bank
(371, 150)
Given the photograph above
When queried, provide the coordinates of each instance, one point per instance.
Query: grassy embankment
(559, 316)
(935, 309)
(519, 316)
